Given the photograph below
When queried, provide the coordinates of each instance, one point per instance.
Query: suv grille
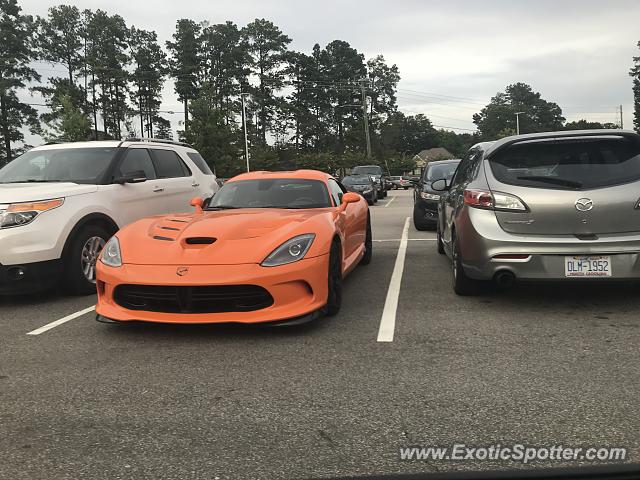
(198, 299)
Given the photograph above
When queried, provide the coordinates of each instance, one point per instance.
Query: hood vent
(199, 240)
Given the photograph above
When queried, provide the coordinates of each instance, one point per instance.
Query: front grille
(197, 299)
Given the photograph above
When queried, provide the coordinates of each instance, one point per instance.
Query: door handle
(158, 189)
(194, 184)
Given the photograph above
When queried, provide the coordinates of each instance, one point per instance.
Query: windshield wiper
(553, 180)
(222, 207)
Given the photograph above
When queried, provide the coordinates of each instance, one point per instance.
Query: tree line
(302, 109)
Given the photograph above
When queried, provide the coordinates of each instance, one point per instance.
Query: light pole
(518, 122)
(244, 127)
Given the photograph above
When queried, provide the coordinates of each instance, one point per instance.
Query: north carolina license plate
(587, 266)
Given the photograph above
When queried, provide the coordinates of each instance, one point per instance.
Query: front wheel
(334, 296)
(81, 257)
(368, 244)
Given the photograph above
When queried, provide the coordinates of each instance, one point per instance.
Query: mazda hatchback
(547, 206)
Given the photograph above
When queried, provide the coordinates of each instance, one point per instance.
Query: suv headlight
(429, 196)
(18, 214)
(290, 251)
(111, 255)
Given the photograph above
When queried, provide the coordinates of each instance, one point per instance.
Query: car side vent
(586, 236)
(167, 239)
(199, 240)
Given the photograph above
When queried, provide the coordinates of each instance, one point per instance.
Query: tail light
(493, 201)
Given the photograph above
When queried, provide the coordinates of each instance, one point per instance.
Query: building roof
(438, 153)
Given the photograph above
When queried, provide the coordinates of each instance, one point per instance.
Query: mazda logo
(182, 271)
(584, 204)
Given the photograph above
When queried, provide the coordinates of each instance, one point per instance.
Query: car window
(336, 191)
(437, 171)
(367, 170)
(272, 193)
(200, 162)
(468, 167)
(169, 165)
(137, 159)
(571, 164)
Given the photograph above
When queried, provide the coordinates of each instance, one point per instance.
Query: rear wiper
(554, 180)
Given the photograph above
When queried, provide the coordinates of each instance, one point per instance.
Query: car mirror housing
(197, 202)
(440, 185)
(350, 197)
(137, 176)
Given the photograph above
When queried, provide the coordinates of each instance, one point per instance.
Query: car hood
(234, 236)
(31, 192)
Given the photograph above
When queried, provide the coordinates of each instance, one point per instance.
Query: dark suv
(375, 171)
(425, 208)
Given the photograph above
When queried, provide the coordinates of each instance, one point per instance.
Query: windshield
(368, 170)
(438, 172)
(272, 193)
(77, 165)
(359, 180)
(573, 164)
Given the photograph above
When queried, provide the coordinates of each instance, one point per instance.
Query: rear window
(574, 164)
(169, 164)
(367, 170)
(200, 163)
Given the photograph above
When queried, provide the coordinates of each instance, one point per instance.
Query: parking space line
(388, 320)
(389, 202)
(51, 325)
(408, 240)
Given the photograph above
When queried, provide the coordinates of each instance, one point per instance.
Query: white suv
(60, 203)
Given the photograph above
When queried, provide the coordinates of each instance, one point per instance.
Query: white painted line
(408, 240)
(388, 320)
(51, 325)
(389, 202)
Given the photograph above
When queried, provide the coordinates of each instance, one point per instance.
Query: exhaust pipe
(505, 278)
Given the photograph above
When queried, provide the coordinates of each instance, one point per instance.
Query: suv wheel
(81, 257)
(462, 284)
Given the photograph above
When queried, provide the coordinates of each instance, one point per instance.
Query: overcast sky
(453, 56)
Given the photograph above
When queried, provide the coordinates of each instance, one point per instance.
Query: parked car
(59, 204)
(400, 182)
(280, 244)
(425, 199)
(548, 206)
(363, 185)
(375, 171)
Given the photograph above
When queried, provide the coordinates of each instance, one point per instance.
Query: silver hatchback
(545, 206)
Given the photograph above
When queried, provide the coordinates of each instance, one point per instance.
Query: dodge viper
(268, 247)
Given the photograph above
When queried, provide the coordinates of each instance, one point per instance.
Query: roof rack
(156, 140)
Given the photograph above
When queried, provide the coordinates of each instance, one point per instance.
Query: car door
(455, 197)
(178, 182)
(349, 218)
(133, 201)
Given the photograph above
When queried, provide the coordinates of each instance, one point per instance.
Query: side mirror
(440, 185)
(137, 176)
(197, 202)
(350, 197)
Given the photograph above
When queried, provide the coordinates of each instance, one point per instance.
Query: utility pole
(621, 119)
(365, 115)
(518, 122)
(244, 127)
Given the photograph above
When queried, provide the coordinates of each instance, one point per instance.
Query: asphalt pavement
(537, 365)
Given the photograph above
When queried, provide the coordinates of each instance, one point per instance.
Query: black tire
(418, 220)
(384, 193)
(370, 202)
(75, 281)
(462, 284)
(439, 242)
(406, 188)
(368, 244)
(334, 296)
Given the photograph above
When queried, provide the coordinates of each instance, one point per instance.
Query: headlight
(111, 253)
(18, 214)
(429, 196)
(290, 251)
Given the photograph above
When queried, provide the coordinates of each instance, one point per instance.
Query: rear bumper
(298, 289)
(29, 277)
(481, 239)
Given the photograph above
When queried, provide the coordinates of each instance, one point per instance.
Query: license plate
(587, 266)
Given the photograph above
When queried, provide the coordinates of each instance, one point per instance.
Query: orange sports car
(268, 247)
